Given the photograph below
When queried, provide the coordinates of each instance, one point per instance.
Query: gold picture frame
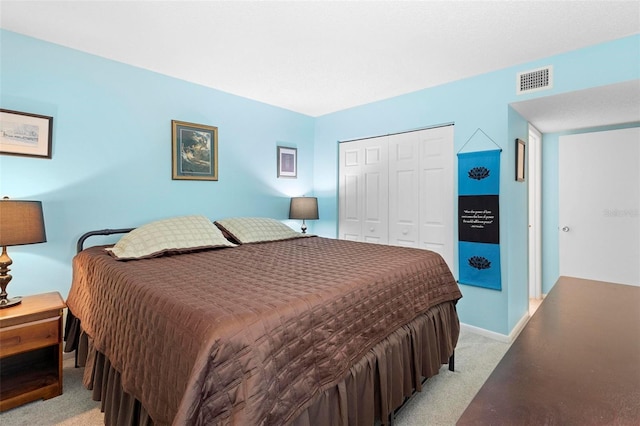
(194, 154)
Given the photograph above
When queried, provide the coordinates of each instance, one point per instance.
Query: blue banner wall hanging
(479, 219)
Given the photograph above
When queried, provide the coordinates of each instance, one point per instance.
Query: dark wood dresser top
(577, 362)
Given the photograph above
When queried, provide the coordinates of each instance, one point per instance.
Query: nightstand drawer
(26, 337)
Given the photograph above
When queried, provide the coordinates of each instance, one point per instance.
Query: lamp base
(7, 303)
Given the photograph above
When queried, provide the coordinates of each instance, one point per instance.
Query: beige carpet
(442, 401)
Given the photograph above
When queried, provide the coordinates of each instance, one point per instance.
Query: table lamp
(21, 222)
(305, 208)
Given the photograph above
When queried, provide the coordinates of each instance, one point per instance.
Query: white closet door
(404, 187)
(436, 192)
(398, 190)
(363, 190)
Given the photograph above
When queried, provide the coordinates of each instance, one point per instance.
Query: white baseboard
(499, 336)
(519, 326)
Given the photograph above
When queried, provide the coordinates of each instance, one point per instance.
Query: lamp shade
(21, 222)
(303, 208)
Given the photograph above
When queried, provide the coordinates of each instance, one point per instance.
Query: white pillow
(256, 229)
(174, 235)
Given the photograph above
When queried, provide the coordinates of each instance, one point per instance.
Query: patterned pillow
(174, 235)
(256, 229)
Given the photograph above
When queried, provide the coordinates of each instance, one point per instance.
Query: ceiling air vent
(534, 80)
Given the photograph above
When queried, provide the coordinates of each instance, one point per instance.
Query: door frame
(535, 212)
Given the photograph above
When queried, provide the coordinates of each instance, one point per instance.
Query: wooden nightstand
(31, 350)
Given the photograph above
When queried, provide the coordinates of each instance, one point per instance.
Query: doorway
(599, 192)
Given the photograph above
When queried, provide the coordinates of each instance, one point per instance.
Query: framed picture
(25, 134)
(520, 160)
(194, 151)
(287, 162)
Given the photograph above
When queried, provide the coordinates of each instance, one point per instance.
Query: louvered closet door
(363, 190)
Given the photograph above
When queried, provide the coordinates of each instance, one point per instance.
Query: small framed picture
(194, 151)
(287, 162)
(25, 134)
(520, 160)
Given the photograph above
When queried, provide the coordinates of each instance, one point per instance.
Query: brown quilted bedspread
(249, 335)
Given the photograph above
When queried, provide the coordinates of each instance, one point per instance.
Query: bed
(260, 325)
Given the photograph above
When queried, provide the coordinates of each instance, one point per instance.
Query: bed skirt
(374, 388)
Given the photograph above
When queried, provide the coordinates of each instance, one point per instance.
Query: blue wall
(112, 152)
(478, 102)
(111, 164)
(470, 104)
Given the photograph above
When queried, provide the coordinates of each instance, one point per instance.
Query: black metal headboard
(81, 240)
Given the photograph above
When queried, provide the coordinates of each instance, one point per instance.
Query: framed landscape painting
(194, 151)
(25, 134)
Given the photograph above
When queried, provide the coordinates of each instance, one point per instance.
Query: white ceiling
(599, 106)
(317, 57)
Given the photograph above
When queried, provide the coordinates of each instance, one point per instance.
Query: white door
(363, 190)
(599, 216)
(398, 190)
(436, 192)
(404, 189)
